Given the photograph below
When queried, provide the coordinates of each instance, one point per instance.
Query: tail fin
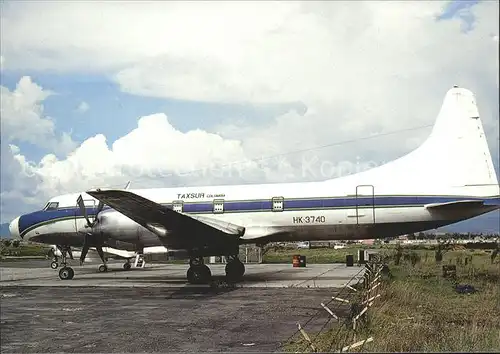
(457, 150)
(455, 155)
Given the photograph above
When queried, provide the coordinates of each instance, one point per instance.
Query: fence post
(306, 337)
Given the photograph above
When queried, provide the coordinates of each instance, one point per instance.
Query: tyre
(66, 273)
(235, 271)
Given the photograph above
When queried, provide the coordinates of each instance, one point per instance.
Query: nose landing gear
(65, 273)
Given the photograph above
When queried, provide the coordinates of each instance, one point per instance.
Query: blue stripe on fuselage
(29, 220)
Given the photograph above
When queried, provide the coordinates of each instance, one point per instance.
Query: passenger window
(177, 206)
(89, 203)
(277, 203)
(218, 206)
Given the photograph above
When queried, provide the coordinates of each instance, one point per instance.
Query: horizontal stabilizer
(492, 201)
(454, 205)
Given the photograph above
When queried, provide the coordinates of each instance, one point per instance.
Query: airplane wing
(108, 251)
(170, 226)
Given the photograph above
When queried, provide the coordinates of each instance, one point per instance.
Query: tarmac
(174, 275)
(153, 309)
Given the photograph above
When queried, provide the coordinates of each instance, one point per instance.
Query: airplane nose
(14, 228)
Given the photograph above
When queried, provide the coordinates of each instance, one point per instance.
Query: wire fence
(346, 326)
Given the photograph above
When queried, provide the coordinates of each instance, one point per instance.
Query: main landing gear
(139, 262)
(199, 273)
(234, 269)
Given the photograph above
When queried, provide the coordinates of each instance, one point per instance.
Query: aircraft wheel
(127, 266)
(102, 268)
(66, 273)
(235, 270)
(54, 265)
(200, 274)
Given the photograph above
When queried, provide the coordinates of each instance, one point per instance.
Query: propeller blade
(101, 254)
(83, 210)
(85, 250)
(100, 206)
(127, 185)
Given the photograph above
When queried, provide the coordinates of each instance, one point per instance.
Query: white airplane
(449, 178)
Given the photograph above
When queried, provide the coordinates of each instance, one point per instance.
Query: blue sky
(115, 113)
(460, 9)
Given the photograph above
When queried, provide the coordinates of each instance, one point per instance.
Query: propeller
(92, 239)
(83, 210)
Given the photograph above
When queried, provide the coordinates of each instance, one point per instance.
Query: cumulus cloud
(361, 68)
(155, 150)
(23, 118)
(383, 63)
(155, 153)
(256, 52)
(19, 184)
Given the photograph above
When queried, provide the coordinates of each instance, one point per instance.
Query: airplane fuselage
(364, 215)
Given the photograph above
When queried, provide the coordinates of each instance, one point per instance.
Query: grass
(23, 250)
(313, 256)
(419, 310)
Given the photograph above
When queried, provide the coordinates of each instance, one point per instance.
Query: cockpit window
(52, 206)
(89, 203)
